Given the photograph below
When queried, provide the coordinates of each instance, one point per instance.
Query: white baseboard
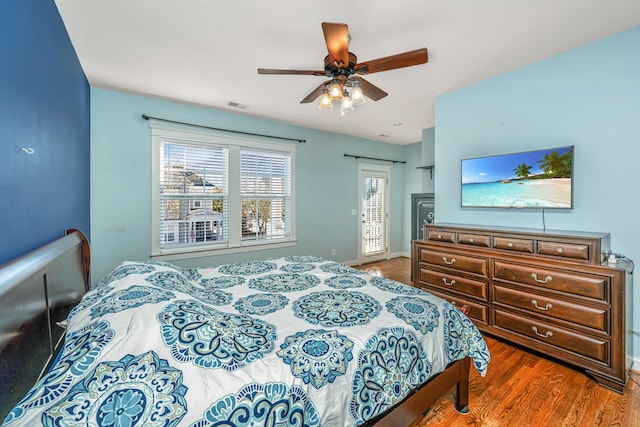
(635, 367)
(400, 254)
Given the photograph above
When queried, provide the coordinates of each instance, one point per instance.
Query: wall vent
(237, 105)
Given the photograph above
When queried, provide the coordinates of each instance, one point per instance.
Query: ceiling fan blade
(315, 94)
(299, 72)
(336, 37)
(401, 60)
(371, 91)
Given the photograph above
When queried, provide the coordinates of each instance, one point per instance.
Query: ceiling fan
(343, 70)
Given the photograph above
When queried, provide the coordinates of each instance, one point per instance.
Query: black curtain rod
(144, 116)
(373, 158)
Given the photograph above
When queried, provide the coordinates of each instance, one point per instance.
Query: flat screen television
(528, 179)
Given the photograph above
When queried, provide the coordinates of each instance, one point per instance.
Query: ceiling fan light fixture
(325, 100)
(357, 96)
(335, 91)
(346, 105)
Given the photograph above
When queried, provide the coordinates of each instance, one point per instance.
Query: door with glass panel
(374, 212)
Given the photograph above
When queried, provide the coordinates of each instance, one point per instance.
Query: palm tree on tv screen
(555, 165)
(523, 171)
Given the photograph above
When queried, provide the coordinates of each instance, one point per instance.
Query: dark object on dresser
(547, 291)
(422, 212)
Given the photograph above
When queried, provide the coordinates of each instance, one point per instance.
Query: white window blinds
(374, 236)
(193, 194)
(265, 188)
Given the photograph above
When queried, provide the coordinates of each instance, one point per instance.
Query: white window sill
(186, 253)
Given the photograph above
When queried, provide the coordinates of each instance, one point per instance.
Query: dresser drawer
(591, 286)
(441, 236)
(474, 240)
(591, 317)
(519, 245)
(475, 288)
(593, 348)
(477, 312)
(455, 261)
(566, 250)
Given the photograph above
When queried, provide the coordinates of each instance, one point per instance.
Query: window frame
(234, 144)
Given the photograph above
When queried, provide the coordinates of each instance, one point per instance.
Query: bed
(295, 341)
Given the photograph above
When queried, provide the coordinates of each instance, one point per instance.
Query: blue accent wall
(44, 107)
(588, 97)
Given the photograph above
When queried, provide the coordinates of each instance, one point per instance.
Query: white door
(374, 212)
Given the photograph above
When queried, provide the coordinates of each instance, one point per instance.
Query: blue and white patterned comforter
(296, 341)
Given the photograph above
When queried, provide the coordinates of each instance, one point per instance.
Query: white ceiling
(206, 52)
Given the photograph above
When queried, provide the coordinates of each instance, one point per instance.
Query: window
(193, 194)
(265, 192)
(213, 193)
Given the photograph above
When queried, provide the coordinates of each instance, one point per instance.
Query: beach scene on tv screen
(532, 179)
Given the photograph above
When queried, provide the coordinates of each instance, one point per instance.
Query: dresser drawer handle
(439, 236)
(545, 308)
(546, 334)
(446, 261)
(546, 279)
(471, 240)
(510, 244)
(451, 283)
(560, 250)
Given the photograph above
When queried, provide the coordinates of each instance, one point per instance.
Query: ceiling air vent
(237, 105)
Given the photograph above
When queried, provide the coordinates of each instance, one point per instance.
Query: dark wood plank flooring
(525, 389)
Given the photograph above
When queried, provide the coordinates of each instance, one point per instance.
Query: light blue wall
(413, 184)
(588, 97)
(417, 179)
(326, 182)
(428, 159)
(44, 106)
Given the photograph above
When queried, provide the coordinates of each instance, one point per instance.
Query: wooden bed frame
(420, 400)
(39, 289)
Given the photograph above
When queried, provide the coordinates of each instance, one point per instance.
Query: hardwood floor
(525, 389)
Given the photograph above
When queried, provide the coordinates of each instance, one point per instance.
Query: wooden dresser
(547, 291)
